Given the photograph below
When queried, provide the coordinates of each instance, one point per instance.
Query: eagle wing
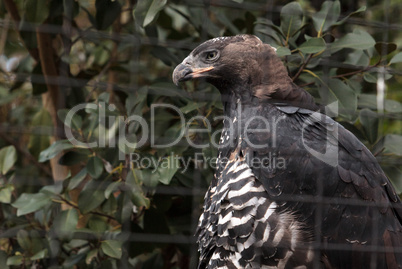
(331, 182)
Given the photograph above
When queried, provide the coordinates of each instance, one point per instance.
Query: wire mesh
(139, 42)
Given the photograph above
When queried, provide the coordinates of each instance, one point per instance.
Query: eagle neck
(235, 97)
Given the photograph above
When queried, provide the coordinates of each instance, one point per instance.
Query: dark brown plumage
(327, 204)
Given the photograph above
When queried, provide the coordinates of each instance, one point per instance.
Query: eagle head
(241, 61)
(244, 66)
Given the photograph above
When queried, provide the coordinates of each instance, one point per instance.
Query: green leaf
(95, 167)
(135, 101)
(370, 101)
(148, 176)
(91, 196)
(65, 223)
(209, 153)
(358, 58)
(327, 16)
(362, 9)
(36, 11)
(8, 157)
(397, 58)
(112, 248)
(91, 255)
(125, 207)
(39, 255)
(30, 241)
(38, 242)
(384, 48)
(15, 260)
(283, 51)
(167, 168)
(369, 77)
(77, 179)
(393, 144)
(137, 194)
(359, 40)
(38, 142)
(223, 18)
(394, 173)
(165, 55)
(54, 149)
(112, 188)
(110, 205)
(71, 120)
(31, 202)
(313, 45)
(97, 224)
(343, 94)
(24, 240)
(146, 11)
(7, 97)
(191, 106)
(3, 260)
(156, 6)
(73, 259)
(393, 106)
(276, 35)
(127, 143)
(369, 121)
(55, 188)
(107, 11)
(373, 77)
(167, 89)
(70, 8)
(291, 19)
(5, 193)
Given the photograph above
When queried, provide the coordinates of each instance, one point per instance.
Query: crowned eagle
(327, 204)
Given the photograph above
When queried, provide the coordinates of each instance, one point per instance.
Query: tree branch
(346, 74)
(302, 67)
(355, 72)
(90, 212)
(52, 99)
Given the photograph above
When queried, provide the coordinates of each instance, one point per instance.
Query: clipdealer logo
(113, 131)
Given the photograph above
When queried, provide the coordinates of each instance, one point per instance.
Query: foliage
(92, 189)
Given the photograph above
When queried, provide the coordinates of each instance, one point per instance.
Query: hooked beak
(183, 72)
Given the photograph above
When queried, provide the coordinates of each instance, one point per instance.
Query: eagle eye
(211, 55)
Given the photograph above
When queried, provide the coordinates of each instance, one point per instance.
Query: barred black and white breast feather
(293, 188)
